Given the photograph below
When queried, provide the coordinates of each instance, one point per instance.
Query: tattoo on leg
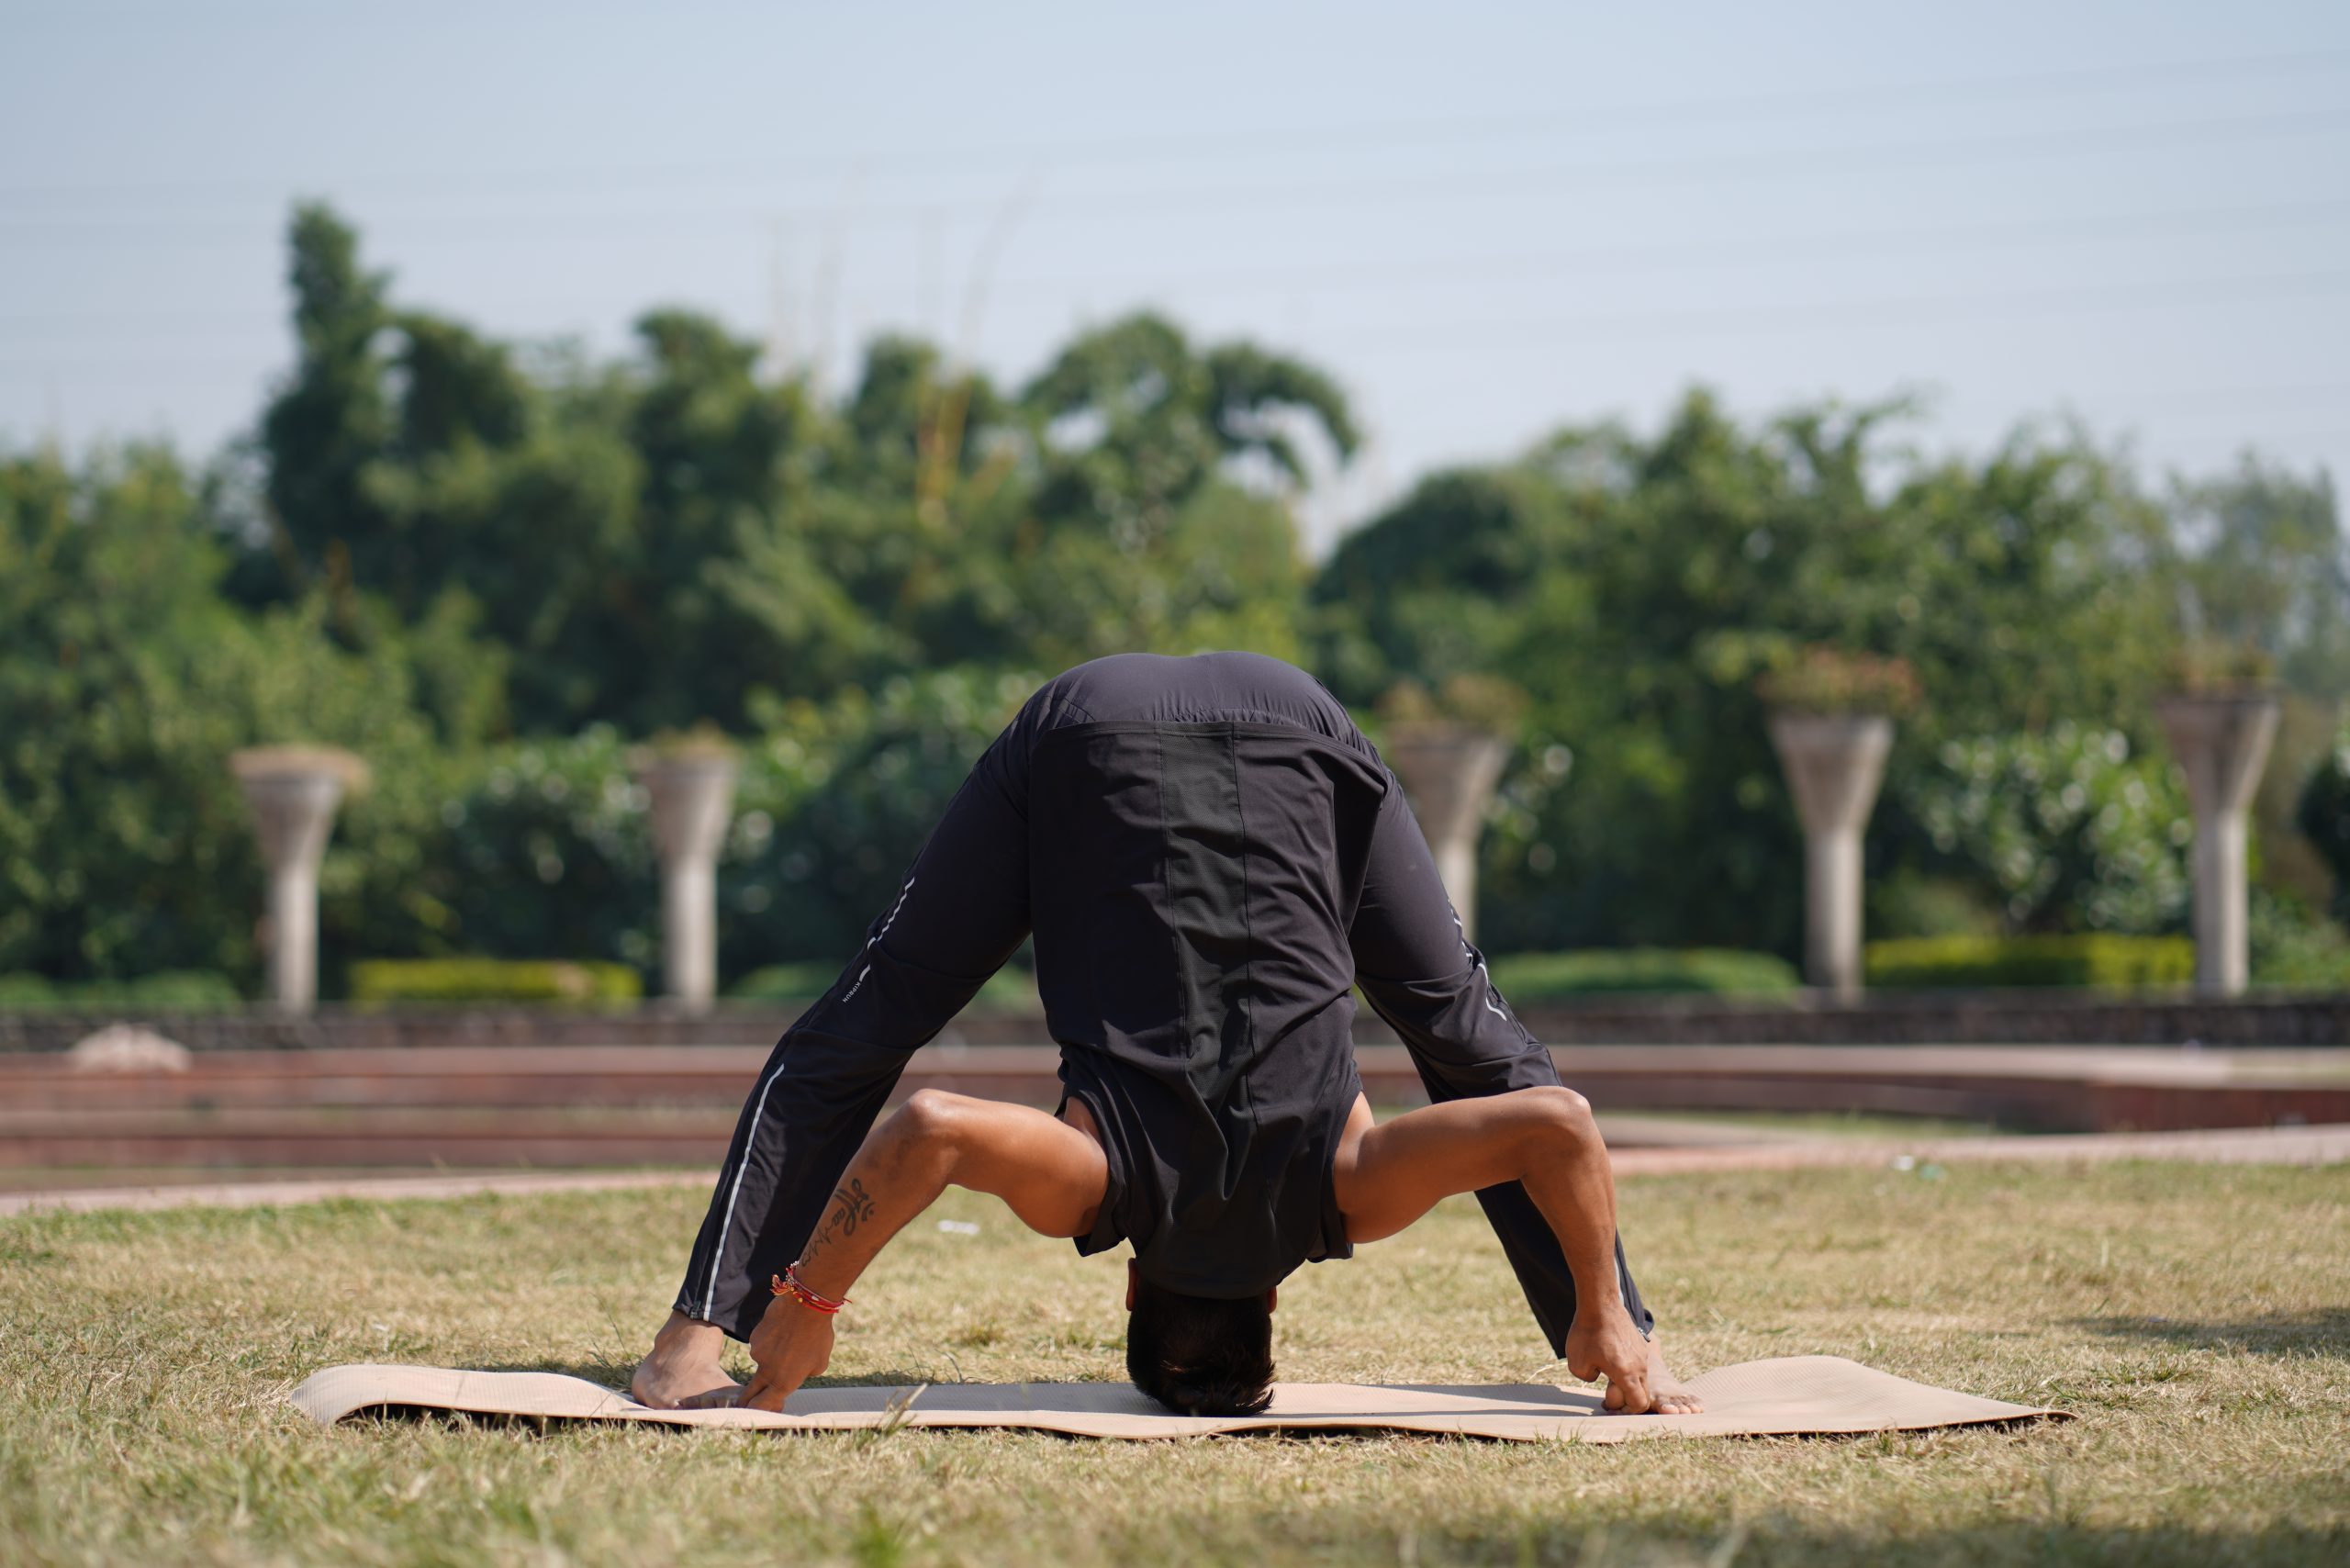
(852, 1206)
(855, 1206)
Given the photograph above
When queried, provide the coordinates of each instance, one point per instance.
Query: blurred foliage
(2323, 815)
(835, 801)
(377, 981)
(2204, 667)
(541, 847)
(490, 568)
(2070, 829)
(1537, 977)
(1637, 588)
(1469, 699)
(1010, 990)
(484, 568)
(175, 990)
(2295, 949)
(1906, 901)
(546, 847)
(2262, 577)
(672, 539)
(1823, 680)
(800, 982)
(126, 681)
(2101, 962)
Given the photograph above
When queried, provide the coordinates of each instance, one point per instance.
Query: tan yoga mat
(1789, 1395)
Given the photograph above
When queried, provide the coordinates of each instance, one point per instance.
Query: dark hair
(1199, 1356)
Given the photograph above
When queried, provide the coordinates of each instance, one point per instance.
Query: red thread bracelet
(789, 1283)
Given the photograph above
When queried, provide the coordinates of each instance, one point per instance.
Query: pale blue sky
(1486, 220)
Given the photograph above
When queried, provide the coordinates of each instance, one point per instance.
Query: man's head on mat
(1198, 1355)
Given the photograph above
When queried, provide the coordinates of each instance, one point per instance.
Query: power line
(1619, 325)
(2088, 298)
(1736, 250)
(1357, 274)
(2318, 393)
(1554, 179)
(1371, 134)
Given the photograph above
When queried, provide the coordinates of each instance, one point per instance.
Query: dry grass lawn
(2197, 1319)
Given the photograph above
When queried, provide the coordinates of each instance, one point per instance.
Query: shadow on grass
(2323, 1330)
(1784, 1541)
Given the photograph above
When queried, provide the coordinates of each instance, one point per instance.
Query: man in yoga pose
(1210, 857)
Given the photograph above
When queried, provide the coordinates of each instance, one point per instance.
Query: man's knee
(929, 1116)
(1555, 1113)
(924, 1128)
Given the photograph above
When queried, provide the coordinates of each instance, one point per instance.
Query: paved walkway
(261, 1194)
(604, 1108)
(2224, 1146)
(2275, 1146)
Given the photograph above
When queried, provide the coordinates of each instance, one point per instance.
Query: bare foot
(1671, 1396)
(684, 1370)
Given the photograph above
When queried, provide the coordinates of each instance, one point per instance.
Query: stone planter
(293, 792)
(2221, 740)
(1834, 763)
(1448, 772)
(691, 797)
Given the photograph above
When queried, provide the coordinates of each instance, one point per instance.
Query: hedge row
(178, 990)
(1009, 990)
(376, 981)
(1529, 977)
(2102, 962)
(1718, 972)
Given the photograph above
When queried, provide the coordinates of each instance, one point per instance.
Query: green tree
(1637, 587)
(2262, 564)
(332, 419)
(1437, 585)
(1162, 512)
(2067, 827)
(1138, 420)
(127, 677)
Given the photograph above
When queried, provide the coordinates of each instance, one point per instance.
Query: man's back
(1197, 833)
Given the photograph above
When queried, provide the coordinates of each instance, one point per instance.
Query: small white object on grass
(959, 1227)
(1905, 1162)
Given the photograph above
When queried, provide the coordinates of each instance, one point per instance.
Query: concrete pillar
(293, 790)
(692, 800)
(1834, 763)
(1448, 772)
(2222, 743)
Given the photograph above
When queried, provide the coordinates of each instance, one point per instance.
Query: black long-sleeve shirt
(1210, 858)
